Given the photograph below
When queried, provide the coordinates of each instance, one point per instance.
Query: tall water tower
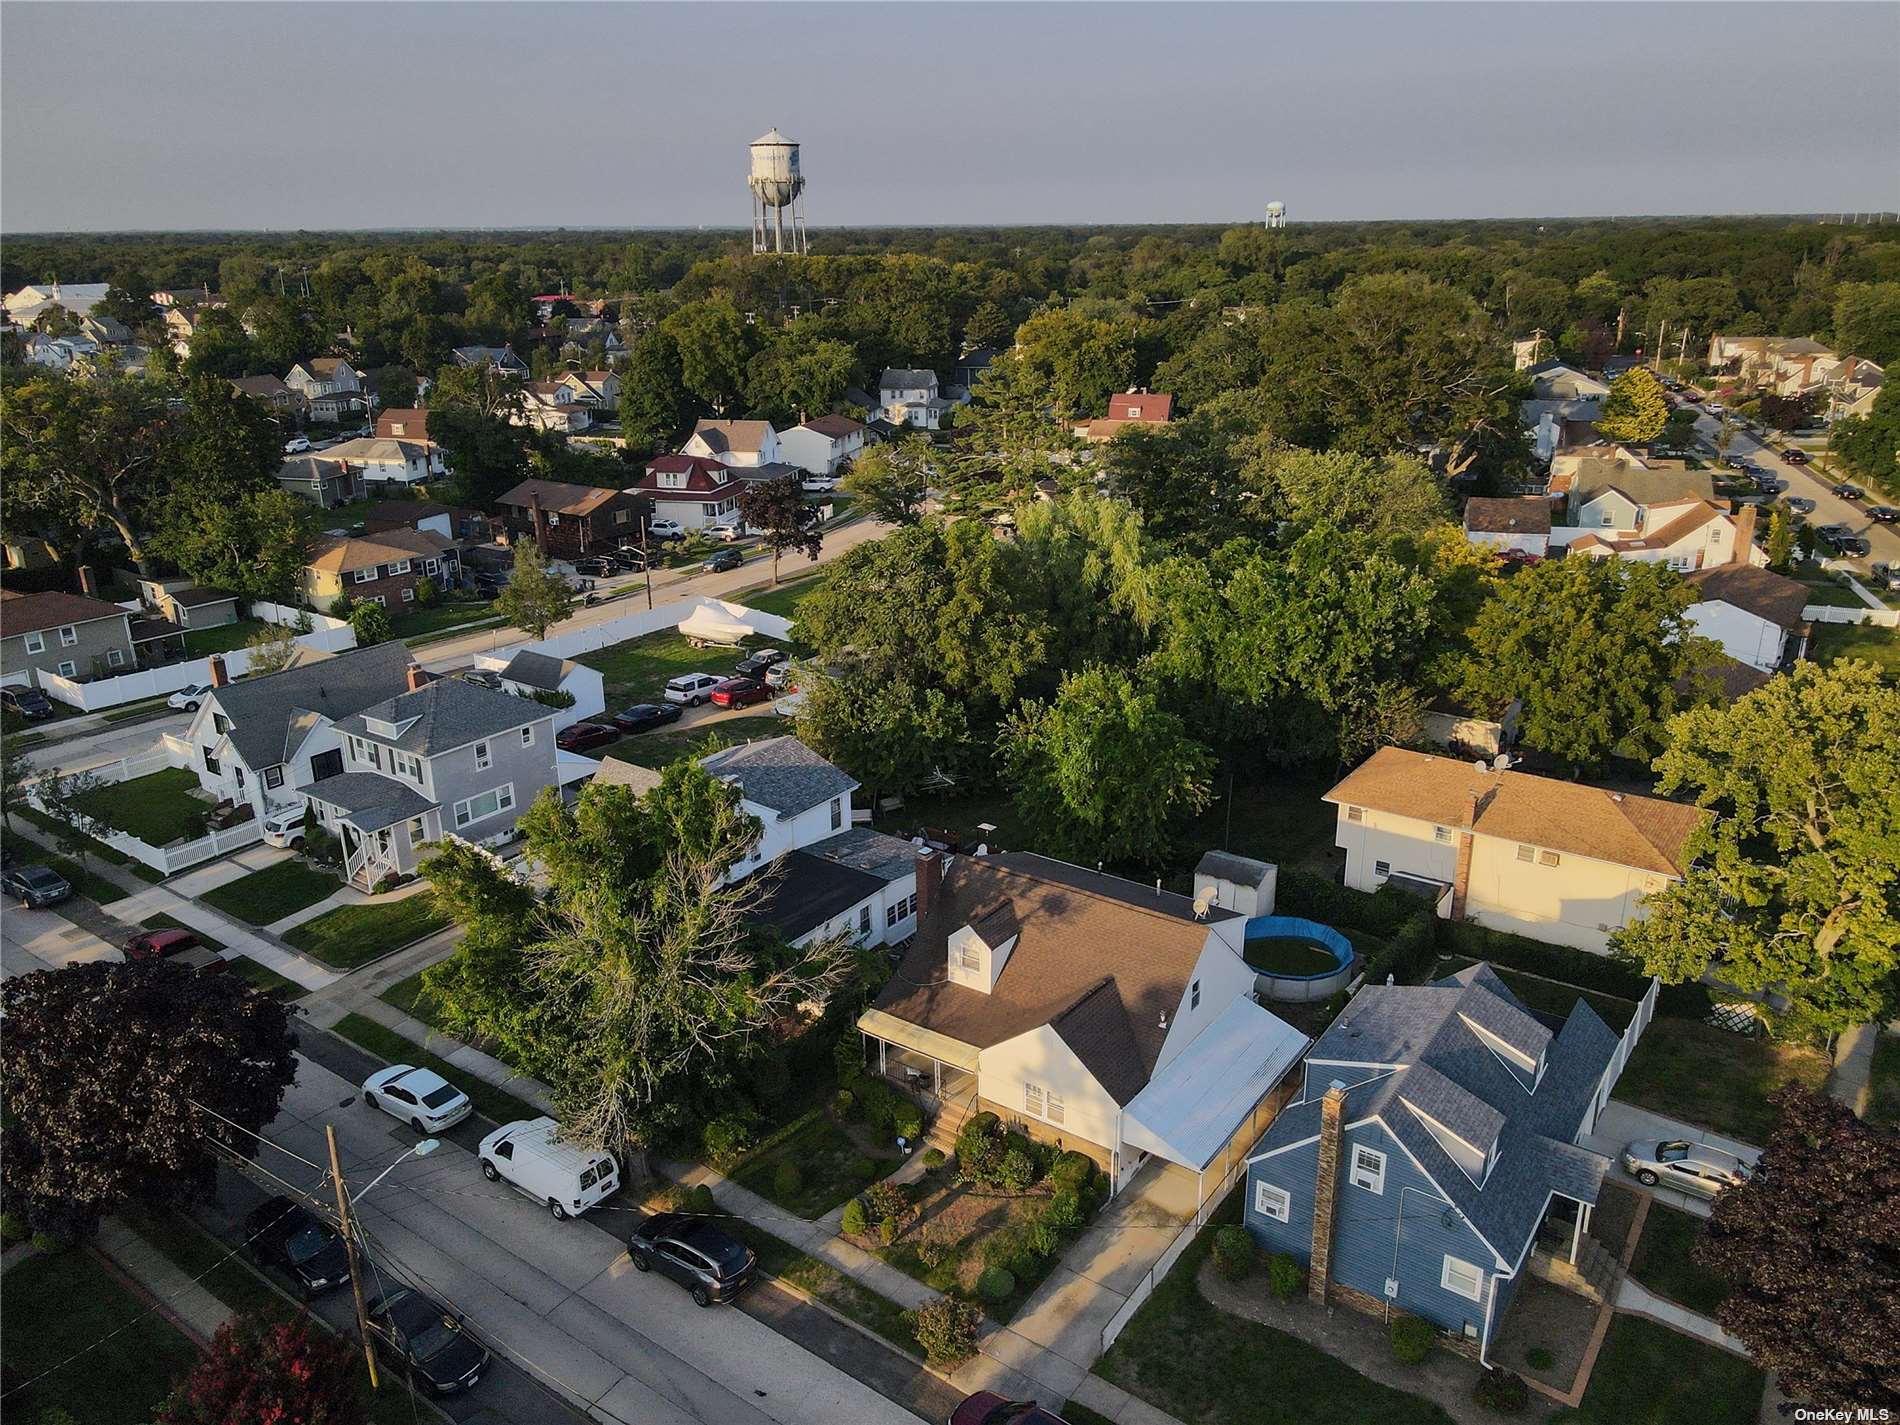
(1276, 215)
(776, 185)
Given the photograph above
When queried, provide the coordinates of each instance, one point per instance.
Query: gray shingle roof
(264, 711)
(447, 713)
(810, 890)
(370, 800)
(889, 858)
(1225, 866)
(780, 773)
(906, 378)
(537, 670)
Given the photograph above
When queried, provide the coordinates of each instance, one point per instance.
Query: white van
(569, 1180)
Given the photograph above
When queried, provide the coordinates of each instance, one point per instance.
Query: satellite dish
(1501, 761)
(1482, 765)
(1204, 900)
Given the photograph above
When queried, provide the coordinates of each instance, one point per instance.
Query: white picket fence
(1828, 613)
(639, 622)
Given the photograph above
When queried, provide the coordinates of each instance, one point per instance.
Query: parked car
(1794, 457)
(710, 1263)
(284, 828)
(1853, 546)
(568, 1180)
(189, 696)
(728, 533)
(631, 557)
(296, 445)
(755, 665)
(30, 703)
(665, 529)
(1883, 514)
(1886, 575)
(1679, 1163)
(1801, 504)
(691, 689)
(740, 693)
(1714, 408)
(158, 944)
(198, 960)
(986, 1407)
(642, 716)
(722, 560)
(283, 1234)
(428, 1341)
(1848, 491)
(489, 586)
(779, 675)
(35, 886)
(580, 736)
(597, 566)
(818, 484)
(421, 1098)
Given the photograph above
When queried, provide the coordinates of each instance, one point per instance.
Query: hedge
(1409, 955)
(1320, 898)
(1573, 967)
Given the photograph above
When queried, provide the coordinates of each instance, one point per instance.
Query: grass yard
(84, 881)
(272, 893)
(497, 1105)
(1883, 1107)
(63, 1304)
(659, 749)
(353, 935)
(109, 854)
(637, 671)
(1832, 593)
(1550, 996)
(827, 1156)
(158, 809)
(878, 1314)
(1715, 1079)
(200, 642)
(1835, 641)
(1276, 816)
(785, 599)
(420, 623)
(151, 707)
(409, 997)
(1205, 1367)
(263, 977)
(1665, 1263)
(1650, 1375)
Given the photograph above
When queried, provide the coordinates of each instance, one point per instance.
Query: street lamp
(344, 1199)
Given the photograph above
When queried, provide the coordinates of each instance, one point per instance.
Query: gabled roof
(370, 800)
(28, 613)
(738, 437)
(445, 714)
(1754, 590)
(780, 773)
(307, 468)
(263, 387)
(267, 713)
(834, 427)
(537, 670)
(558, 496)
(339, 555)
(1153, 407)
(1683, 519)
(413, 420)
(1517, 514)
(906, 378)
(806, 891)
(1596, 476)
(381, 450)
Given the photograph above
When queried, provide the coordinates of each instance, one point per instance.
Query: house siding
(1091, 1119)
(569, 536)
(90, 654)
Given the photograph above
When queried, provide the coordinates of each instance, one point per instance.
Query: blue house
(1435, 1136)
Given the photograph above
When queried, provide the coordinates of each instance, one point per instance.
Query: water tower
(1276, 215)
(776, 185)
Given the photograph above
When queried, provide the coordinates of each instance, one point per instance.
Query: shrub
(854, 1224)
(699, 1201)
(787, 1179)
(933, 1158)
(995, 1284)
(1323, 899)
(1233, 1252)
(842, 1102)
(1016, 1172)
(426, 592)
(882, 1200)
(1412, 1338)
(726, 1139)
(47, 1243)
(12, 1226)
(847, 1055)
(1409, 955)
(934, 1249)
(1064, 1212)
(1539, 1358)
(1286, 1277)
(57, 1415)
(877, 1102)
(888, 1229)
(907, 1121)
(1072, 1172)
(946, 1330)
(1503, 1391)
(980, 1149)
(863, 1167)
(1013, 1248)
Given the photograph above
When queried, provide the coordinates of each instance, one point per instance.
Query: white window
(430, 566)
(1381, 868)
(1355, 813)
(1032, 1099)
(365, 576)
(482, 758)
(527, 737)
(114, 658)
(969, 957)
(418, 833)
(1368, 1169)
(68, 636)
(36, 642)
(1549, 858)
(1043, 1103)
(1055, 1105)
(401, 566)
(487, 804)
(837, 812)
(69, 669)
(1271, 1201)
(622, 516)
(900, 910)
(273, 777)
(1527, 853)
(408, 595)
(1442, 834)
(1463, 1278)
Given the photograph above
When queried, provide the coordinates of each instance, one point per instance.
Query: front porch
(380, 823)
(935, 1070)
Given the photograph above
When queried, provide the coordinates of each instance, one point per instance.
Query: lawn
(152, 707)
(408, 996)
(272, 893)
(1880, 646)
(828, 1158)
(1650, 1375)
(966, 1219)
(353, 935)
(1276, 816)
(785, 599)
(1205, 1367)
(158, 809)
(201, 642)
(659, 749)
(1832, 593)
(1714, 1079)
(1665, 1264)
(94, 847)
(637, 671)
(497, 1105)
(1550, 996)
(419, 623)
(60, 1305)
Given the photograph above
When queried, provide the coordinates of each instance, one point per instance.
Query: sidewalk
(236, 937)
(1852, 1080)
(179, 1297)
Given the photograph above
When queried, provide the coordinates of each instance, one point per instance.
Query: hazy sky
(320, 115)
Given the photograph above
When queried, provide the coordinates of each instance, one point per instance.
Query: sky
(331, 115)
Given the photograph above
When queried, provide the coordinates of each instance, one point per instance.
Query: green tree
(1637, 410)
(371, 623)
(67, 799)
(894, 737)
(1385, 496)
(797, 377)
(1792, 885)
(16, 772)
(889, 480)
(1104, 773)
(270, 648)
(1078, 360)
(1007, 439)
(219, 345)
(1185, 481)
(1869, 445)
(1867, 320)
(713, 348)
(535, 598)
(1780, 540)
(654, 402)
(252, 542)
(784, 518)
(128, 300)
(990, 325)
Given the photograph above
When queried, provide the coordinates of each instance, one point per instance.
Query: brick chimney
(88, 582)
(539, 521)
(929, 880)
(1332, 1117)
(219, 678)
(417, 677)
(1461, 876)
(1744, 535)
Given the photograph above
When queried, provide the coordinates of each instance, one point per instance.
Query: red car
(740, 692)
(986, 1407)
(583, 735)
(158, 944)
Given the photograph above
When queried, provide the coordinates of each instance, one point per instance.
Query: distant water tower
(776, 186)
(1276, 215)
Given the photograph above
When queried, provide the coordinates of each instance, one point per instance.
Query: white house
(908, 396)
(1560, 395)
(1557, 861)
(695, 490)
(1515, 526)
(30, 303)
(528, 673)
(596, 390)
(377, 460)
(823, 445)
(1754, 614)
(324, 376)
(1684, 534)
(734, 443)
(547, 405)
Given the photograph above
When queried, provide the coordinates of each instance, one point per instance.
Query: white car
(666, 529)
(818, 484)
(283, 828)
(530, 1157)
(189, 696)
(1715, 408)
(421, 1098)
(778, 675)
(691, 689)
(728, 534)
(296, 445)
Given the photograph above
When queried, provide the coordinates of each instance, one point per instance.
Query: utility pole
(349, 1248)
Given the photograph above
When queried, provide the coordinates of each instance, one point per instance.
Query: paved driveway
(1622, 1123)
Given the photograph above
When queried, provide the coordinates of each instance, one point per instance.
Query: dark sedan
(282, 1234)
(35, 886)
(986, 1407)
(699, 1256)
(583, 735)
(1883, 514)
(427, 1341)
(755, 666)
(725, 559)
(1795, 457)
(1846, 491)
(30, 703)
(642, 716)
(740, 692)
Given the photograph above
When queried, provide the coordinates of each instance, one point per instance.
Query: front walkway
(1621, 1123)
(1632, 1296)
(1852, 1080)
(234, 935)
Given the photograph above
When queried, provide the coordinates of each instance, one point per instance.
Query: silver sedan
(1690, 1167)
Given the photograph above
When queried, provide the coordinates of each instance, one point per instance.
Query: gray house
(1435, 1139)
(441, 758)
(68, 635)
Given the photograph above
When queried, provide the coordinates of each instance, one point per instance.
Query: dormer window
(969, 957)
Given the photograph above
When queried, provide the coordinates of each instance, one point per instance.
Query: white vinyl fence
(1163, 1265)
(1645, 1011)
(1829, 613)
(640, 622)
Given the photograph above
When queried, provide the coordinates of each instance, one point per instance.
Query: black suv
(428, 1341)
(755, 666)
(694, 1253)
(285, 1235)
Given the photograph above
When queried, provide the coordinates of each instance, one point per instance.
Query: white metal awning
(903, 1033)
(1189, 1110)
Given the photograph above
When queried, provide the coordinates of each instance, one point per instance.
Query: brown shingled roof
(1517, 514)
(559, 496)
(1753, 589)
(27, 613)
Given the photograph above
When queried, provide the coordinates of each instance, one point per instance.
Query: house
(907, 396)
(65, 635)
(319, 479)
(325, 376)
(1617, 493)
(1786, 365)
(402, 423)
(1126, 408)
(500, 358)
(380, 568)
(1561, 862)
(596, 390)
(971, 367)
(823, 445)
(528, 673)
(439, 758)
(567, 521)
(30, 303)
(1684, 534)
(545, 405)
(270, 391)
(1516, 526)
(733, 443)
(1853, 389)
(183, 603)
(182, 296)
(1754, 614)
(379, 463)
(1089, 1012)
(1560, 395)
(450, 521)
(695, 490)
(57, 353)
(1456, 1115)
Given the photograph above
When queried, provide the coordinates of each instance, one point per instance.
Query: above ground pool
(1296, 959)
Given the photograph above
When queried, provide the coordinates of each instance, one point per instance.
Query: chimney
(1332, 1116)
(219, 678)
(538, 520)
(929, 880)
(1461, 875)
(418, 679)
(1744, 536)
(88, 582)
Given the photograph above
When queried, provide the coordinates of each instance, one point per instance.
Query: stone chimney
(1744, 535)
(929, 880)
(219, 678)
(417, 677)
(1332, 1117)
(88, 582)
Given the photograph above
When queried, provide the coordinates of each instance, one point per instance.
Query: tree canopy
(1637, 410)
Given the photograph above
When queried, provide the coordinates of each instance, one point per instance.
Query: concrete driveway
(1622, 1123)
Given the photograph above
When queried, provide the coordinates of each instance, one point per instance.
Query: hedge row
(1410, 953)
(1573, 967)
(1320, 898)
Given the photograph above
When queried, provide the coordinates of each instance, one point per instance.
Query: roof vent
(1164, 1019)
(1616, 796)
